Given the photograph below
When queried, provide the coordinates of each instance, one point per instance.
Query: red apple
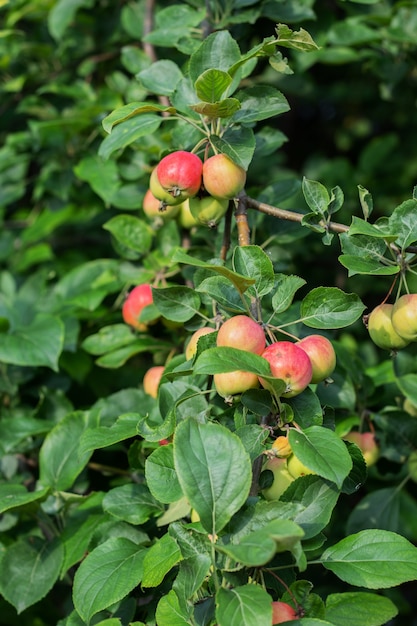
(241, 331)
(282, 478)
(232, 383)
(381, 328)
(152, 207)
(191, 348)
(208, 210)
(367, 444)
(222, 177)
(152, 379)
(136, 301)
(180, 174)
(165, 198)
(321, 354)
(289, 363)
(283, 612)
(404, 316)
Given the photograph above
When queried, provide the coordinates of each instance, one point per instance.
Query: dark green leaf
(330, 307)
(367, 609)
(128, 131)
(243, 606)
(132, 503)
(260, 103)
(212, 84)
(178, 304)
(161, 476)
(131, 232)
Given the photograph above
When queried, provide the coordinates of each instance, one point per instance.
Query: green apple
(208, 211)
(404, 316)
(296, 468)
(381, 328)
(282, 478)
(232, 383)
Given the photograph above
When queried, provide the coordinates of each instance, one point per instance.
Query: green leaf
(159, 560)
(211, 85)
(170, 613)
(366, 200)
(59, 460)
(357, 265)
(217, 51)
(31, 559)
(132, 503)
(385, 509)
(322, 451)
(161, 78)
(214, 471)
(243, 606)
(108, 338)
(117, 358)
(408, 385)
(223, 359)
(192, 573)
(316, 196)
(161, 476)
(63, 13)
(107, 575)
(13, 431)
(403, 221)
(284, 290)
(131, 232)
(129, 131)
(38, 343)
(253, 261)
(223, 108)
(379, 229)
(260, 103)
(238, 143)
(102, 176)
(15, 496)
(222, 291)
(330, 307)
(374, 559)
(367, 609)
(178, 304)
(299, 40)
(131, 110)
(125, 427)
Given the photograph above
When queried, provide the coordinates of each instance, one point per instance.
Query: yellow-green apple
(222, 177)
(136, 300)
(409, 407)
(236, 382)
(191, 347)
(282, 478)
(322, 356)
(152, 379)
(152, 207)
(404, 316)
(296, 468)
(180, 174)
(185, 218)
(381, 328)
(283, 612)
(208, 211)
(241, 331)
(367, 444)
(289, 363)
(165, 198)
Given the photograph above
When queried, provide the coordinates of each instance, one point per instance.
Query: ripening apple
(166, 198)
(296, 468)
(283, 612)
(404, 316)
(289, 363)
(222, 177)
(180, 174)
(242, 332)
(282, 478)
(191, 348)
(152, 207)
(367, 444)
(281, 446)
(152, 379)
(322, 356)
(208, 211)
(381, 328)
(232, 383)
(140, 297)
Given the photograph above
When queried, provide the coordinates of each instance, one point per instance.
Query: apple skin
(283, 612)
(367, 444)
(165, 198)
(140, 297)
(282, 478)
(232, 383)
(404, 316)
(208, 211)
(409, 407)
(322, 356)
(191, 348)
(289, 363)
(281, 446)
(296, 468)
(381, 328)
(152, 207)
(185, 218)
(152, 379)
(180, 174)
(222, 177)
(241, 331)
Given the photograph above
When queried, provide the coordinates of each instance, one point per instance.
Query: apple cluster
(195, 192)
(394, 326)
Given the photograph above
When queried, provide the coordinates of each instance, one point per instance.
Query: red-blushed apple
(282, 478)
(166, 198)
(232, 383)
(283, 612)
(136, 300)
(289, 363)
(191, 347)
(381, 329)
(404, 316)
(281, 446)
(367, 444)
(321, 354)
(164, 442)
(296, 468)
(222, 177)
(180, 174)
(152, 207)
(242, 332)
(152, 379)
(208, 211)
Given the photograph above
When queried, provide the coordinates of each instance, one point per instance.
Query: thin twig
(241, 216)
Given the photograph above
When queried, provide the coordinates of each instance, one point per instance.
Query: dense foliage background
(71, 247)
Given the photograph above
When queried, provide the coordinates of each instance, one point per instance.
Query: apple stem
(286, 587)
